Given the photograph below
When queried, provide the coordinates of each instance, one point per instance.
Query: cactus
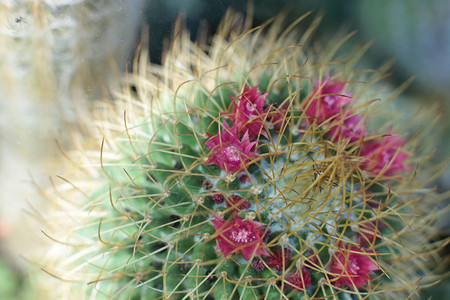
(253, 168)
(50, 51)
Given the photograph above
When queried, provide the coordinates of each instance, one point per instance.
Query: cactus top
(248, 170)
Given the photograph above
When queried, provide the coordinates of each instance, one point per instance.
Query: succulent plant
(258, 167)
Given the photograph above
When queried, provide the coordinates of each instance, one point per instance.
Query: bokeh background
(55, 61)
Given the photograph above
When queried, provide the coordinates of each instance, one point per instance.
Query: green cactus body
(198, 202)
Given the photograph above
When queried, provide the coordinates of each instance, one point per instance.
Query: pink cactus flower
(326, 101)
(352, 267)
(384, 157)
(278, 261)
(228, 152)
(236, 202)
(218, 198)
(248, 114)
(347, 125)
(299, 281)
(257, 264)
(239, 236)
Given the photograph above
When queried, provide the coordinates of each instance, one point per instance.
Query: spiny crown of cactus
(247, 170)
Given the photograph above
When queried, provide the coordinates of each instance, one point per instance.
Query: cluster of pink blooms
(328, 107)
(233, 148)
